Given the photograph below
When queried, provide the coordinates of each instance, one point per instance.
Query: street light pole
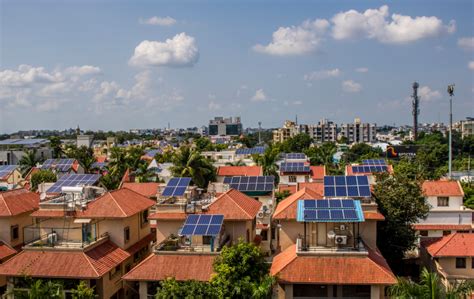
(451, 94)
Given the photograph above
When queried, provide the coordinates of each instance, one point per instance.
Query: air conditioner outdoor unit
(340, 240)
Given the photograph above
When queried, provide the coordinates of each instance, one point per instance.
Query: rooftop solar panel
(346, 186)
(202, 225)
(251, 184)
(298, 167)
(5, 170)
(62, 165)
(374, 162)
(329, 210)
(73, 180)
(369, 168)
(250, 151)
(295, 156)
(176, 187)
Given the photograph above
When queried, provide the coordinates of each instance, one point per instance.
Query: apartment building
(220, 126)
(289, 129)
(358, 132)
(10, 177)
(324, 131)
(12, 150)
(79, 236)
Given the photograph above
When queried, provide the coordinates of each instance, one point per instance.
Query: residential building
(78, 236)
(304, 174)
(467, 127)
(12, 150)
(230, 171)
(63, 166)
(324, 131)
(147, 189)
(368, 170)
(289, 130)
(447, 213)
(358, 132)
(221, 126)
(10, 177)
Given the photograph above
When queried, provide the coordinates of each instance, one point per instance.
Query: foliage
(268, 161)
(109, 181)
(165, 157)
(190, 163)
(170, 288)
(84, 155)
(42, 176)
(360, 151)
(203, 144)
(83, 291)
(296, 144)
(401, 201)
(468, 195)
(55, 144)
(40, 289)
(28, 161)
(411, 169)
(322, 155)
(279, 196)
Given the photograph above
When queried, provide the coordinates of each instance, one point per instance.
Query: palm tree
(118, 161)
(268, 161)
(324, 154)
(28, 161)
(190, 163)
(236, 163)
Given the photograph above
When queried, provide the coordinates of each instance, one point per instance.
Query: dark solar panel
(346, 186)
(294, 167)
(247, 184)
(369, 168)
(62, 165)
(295, 156)
(329, 210)
(176, 187)
(374, 162)
(73, 180)
(202, 225)
(7, 169)
(250, 151)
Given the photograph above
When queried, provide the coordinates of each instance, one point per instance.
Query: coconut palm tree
(323, 154)
(190, 163)
(236, 163)
(268, 161)
(28, 161)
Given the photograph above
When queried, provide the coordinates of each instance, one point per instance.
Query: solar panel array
(298, 156)
(202, 225)
(350, 186)
(62, 165)
(251, 183)
(374, 162)
(152, 152)
(250, 151)
(329, 210)
(294, 167)
(7, 169)
(73, 180)
(23, 141)
(176, 187)
(369, 168)
(99, 165)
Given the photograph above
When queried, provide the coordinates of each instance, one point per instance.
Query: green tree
(165, 157)
(188, 162)
(42, 176)
(83, 291)
(109, 181)
(279, 196)
(55, 144)
(84, 155)
(242, 272)
(118, 162)
(40, 289)
(410, 168)
(268, 161)
(323, 154)
(203, 144)
(401, 201)
(236, 163)
(171, 288)
(468, 195)
(28, 161)
(360, 151)
(297, 144)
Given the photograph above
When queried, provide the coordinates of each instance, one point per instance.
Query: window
(117, 271)
(443, 201)
(126, 234)
(206, 240)
(460, 263)
(264, 234)
(292, 178)
(15, 232)
(424, 233)
(472, 262)
(446, 232)
(144, 218)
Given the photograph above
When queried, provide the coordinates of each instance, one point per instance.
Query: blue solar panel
(213, 230)
(323, 214)
(6, 170)
(294, 167)
(351, 186)
(347, 203)
(329, 210)
(247, 184)
(309, 203)
(335, 203)
(176, 187)
(187, 230)
(350, 214)
(73, 180)
(295, 156)
(250, 151)
(62, 165)
(321, 204)
(374, 162)
(192, 219)
(369, 168)
(309, 214)
(200, 229)
(217, 219)
(202, 225)
(337, 215)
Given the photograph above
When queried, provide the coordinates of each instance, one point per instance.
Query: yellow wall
(115, 229)
(6, 223)
(166, 228)
(449, 266)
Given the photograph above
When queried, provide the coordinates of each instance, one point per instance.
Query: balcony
(182, 245)
(343, 249)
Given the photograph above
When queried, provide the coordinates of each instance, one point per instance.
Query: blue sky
(142, 64)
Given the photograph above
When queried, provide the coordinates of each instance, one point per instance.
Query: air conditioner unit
(340, 240)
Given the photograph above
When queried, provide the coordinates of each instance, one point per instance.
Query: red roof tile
(5, 251)
(290, 188)
(119, 203)
(318, 172)
(293, 268)
(442, 226)
(160, 266)
(315, 186)
(90, 264)
(31, 172)
(18, 201)
(235, 205)
(457, 244)
(48, 213)
(151, 237)
(167, 216)
(239, 171)
(373, 216)
(286, 209)
(442, 188)
(146, 189)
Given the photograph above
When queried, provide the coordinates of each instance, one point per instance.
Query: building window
(144, 218)
(206, 240)
(443, 201)
(117, 271)
(264, 234)
(126, 234)
(460, 263)
(292, 178)
(15, 232)
(472, 262)
(446, 232)
(424, 233)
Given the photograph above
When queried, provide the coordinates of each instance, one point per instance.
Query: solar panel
(250, 151)
(202, 225)
(369, 168)
(251, 183)
(329, 210)
(152, 152)
(346, 186)
(99, 165)
(176, 187)
(7, 169)
(295, 156)
(374, 162)
(294, 167)
(62, 165)
(73, 180)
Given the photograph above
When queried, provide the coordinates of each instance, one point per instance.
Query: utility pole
(451, 94)
(416, 109)
(259, 131)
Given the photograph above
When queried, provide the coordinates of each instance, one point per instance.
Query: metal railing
(73, 237)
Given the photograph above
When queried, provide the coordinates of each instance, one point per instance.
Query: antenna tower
(416, 109)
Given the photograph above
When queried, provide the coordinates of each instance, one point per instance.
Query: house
(10, 177)
(79, 236)
(451, 256)
(303, 173)
(447, 213)
(230, 171)
(12, 150)
(368, 170)
(63, 166)
(148, 189)
(15, 208)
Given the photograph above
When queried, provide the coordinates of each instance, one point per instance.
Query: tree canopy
(42, 176)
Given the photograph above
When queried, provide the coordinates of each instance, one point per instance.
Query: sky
(118, 65)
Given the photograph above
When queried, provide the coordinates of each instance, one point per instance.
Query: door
(321, 234)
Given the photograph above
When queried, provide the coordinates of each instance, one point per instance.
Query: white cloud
(83, 70)
(27, 75)
(160, 21)
(295, 40)
(213, 106)
(351, 86)
(426, 94)
(179, 51)
(259, 96)
(323, 74)
(470, 65)
(241, 89)
(376, 24)
(362, 70)
(466, 43)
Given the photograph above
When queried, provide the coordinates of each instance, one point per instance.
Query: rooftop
(453, 245)
(235, 205)
(442, 188)
(287, 208)
(239, 171)
(18, 201)
(149, 189)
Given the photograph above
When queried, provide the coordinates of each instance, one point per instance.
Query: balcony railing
(179, 244)
(310, 249)
(53, 237)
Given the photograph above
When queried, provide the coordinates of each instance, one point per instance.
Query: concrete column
(143, 290)
(375, 292)
(288, 291)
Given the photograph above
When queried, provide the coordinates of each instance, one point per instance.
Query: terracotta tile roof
(457, 244)
(349, 170)
(126, 176)
(101, 159)
(151, 237)
(235, 205)
(48, 214)
(318, 172)
(371, 269)
(375, 215)
(119, 203)
(239, 171)
(290, 188)
(146, 189)
(442, 226)
(157, 267)
(315, 186)
(286, 209)
(442, 188)
(31, 172)
(18, 201)
(5, 251)
(91, 264)
(167, 216)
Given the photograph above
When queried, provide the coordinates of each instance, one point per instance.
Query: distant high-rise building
(324, 131)
(289, 129)
(467, 127)
(359, 132)
(220, 126)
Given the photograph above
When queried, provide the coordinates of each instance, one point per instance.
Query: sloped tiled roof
(157, 267)
(235, 205)
(442, 188)
(91, 264)
(119, 203)
(318, 172)
(286, 209)
(18, 201)
(349, 170)
(314, 186)
(148, 189)
(290, 188)
(371, 269)
(375, 215)
(239, 171)
(442, 226)
(457, 244)
(6, 251)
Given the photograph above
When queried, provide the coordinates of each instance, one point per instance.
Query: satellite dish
(43, 196)
(331, 234)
